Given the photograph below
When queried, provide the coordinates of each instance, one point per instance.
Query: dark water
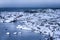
(25, 35)
(17, 9)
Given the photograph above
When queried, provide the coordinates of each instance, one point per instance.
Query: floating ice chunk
(7, 33)
(15, 33)
(51, 10)
(36, 31)
(53, 27)
(35, 28)
(20, 33)
(9, 20)
(26, 28)
(45, 30)
(57, 32)
(51, 34)
(23, 27)
(19, 27)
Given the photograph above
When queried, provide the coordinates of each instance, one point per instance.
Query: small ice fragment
(15, 33)
(22, 27)
(36, 31)
(9, 20)
(7, 33)
(57, 32)
(19, 33)
(19, 27)
(26, 28)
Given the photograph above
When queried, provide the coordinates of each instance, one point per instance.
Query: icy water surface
(31, 24)
(7, 31)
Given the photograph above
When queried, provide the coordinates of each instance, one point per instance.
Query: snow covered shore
(45, 21)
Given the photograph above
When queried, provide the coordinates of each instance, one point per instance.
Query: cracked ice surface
(45, 21)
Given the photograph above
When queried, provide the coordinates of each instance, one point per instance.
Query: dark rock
(58, 24)
(14, 21)
(47, 25)
(38, 28)
(51, 23)
(50, 38)
(19, 16)
(42, 24)
(45, 32)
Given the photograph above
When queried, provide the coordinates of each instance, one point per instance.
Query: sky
(29, 3)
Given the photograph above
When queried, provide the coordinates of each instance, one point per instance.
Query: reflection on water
(8, 31)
